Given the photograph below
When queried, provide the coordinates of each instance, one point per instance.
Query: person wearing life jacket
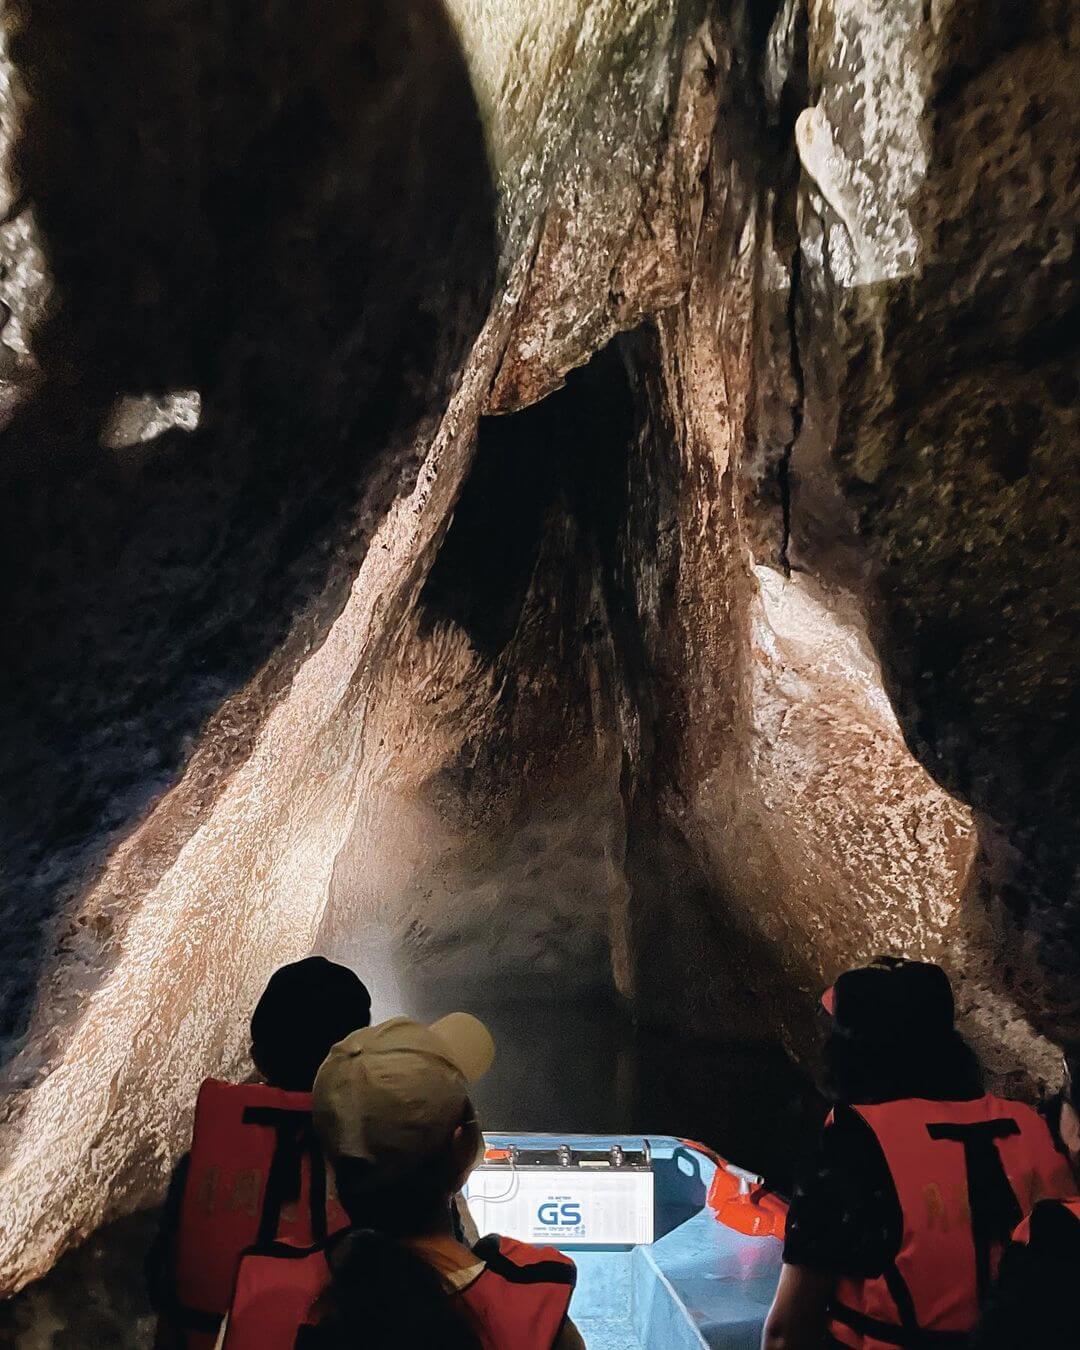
(255, 1172)
(894, 1235)
(392, 1108)
(1035, 1302)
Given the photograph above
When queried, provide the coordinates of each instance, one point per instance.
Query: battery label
(563, 1207)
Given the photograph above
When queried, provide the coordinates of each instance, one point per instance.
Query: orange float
(740, 1201)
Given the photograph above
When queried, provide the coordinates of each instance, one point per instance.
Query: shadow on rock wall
(288, 211)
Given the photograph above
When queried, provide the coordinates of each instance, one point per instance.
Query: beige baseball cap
(393, 1093)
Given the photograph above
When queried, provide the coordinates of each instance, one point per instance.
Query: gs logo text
(561, 1214)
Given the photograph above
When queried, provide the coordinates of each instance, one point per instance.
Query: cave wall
(331, 443)
(197, 569)
(780, 797)
(886, 279)
(614, 539)
(943, 332)
(502, 781)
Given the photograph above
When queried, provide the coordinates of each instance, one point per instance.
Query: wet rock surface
(701, 624)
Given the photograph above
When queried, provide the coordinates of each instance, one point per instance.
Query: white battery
(563, 1206)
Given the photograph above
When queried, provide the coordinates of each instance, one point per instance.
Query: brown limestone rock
(937, 301)
(603, 686)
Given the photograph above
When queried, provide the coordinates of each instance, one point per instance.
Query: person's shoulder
(511, 1257)
(844, 1216)
(844, 1150)
(844, 1119)
(848, 1140)
(210, 1087)
(1030, 1119)
(1056, 1227)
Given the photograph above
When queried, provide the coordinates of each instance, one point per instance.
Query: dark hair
(1071, 1091)
(382, 1294)
(306, 1007)
(864, 1069)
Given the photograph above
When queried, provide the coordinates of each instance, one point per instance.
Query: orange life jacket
(518, 1302)
(964, 1173)
(1023, 1231)
(256, 1174)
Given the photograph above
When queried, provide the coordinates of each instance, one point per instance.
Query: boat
(675, 1247)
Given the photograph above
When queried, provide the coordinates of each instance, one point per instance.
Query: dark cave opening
(566, 453)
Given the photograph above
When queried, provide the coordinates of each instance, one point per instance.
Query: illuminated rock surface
(348, 624)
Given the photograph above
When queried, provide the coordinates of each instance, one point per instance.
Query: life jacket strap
(295, 1139)
(995, 1210)
(892, 1333)
(906, 1331)
(901, 1296)
(536, 1272)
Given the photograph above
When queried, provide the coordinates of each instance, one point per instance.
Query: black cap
(893, 999)
(306, 1007)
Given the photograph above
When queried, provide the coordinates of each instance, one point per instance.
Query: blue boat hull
(698, 1284)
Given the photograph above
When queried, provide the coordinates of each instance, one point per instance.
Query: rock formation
(639, 553)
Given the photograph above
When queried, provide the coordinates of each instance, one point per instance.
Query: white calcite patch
(829, 755)
(862, 144)
(134, 420)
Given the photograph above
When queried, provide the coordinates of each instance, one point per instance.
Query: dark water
(572, 1068)
(588, 1069)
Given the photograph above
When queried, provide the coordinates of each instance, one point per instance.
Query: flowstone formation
(578, 493)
